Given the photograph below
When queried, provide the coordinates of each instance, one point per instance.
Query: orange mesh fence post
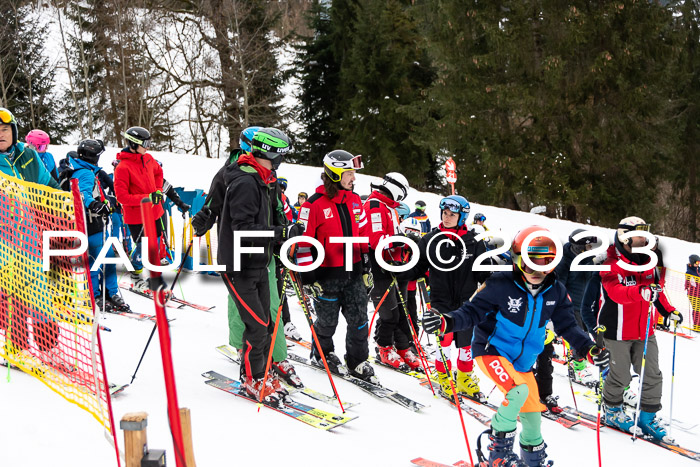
(47, 323)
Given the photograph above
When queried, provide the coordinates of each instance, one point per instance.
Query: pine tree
(384, 74)
(27, 79)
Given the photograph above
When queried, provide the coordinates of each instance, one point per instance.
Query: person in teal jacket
(18, 160)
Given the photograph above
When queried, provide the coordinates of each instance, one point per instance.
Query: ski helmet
(137, 136)
(282, 182)
(7, 118)
(458, 204)
(420, 205)
(339, 161)
(541, 250)
(479, 217)
(271, 144)
(694, 259)
(303, 193)
(90, 150)
(246, 139)
(578, 246)
(410, 225)
(39, 139)
(628, 224)
(395, 184)
(403, 211)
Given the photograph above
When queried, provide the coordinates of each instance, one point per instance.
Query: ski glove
(183, 207)
(199, 221)
(650, 292)
(368, 280)
(156, 197)
(101, 209)
(433, 322)
(314, 289)
(675, 316)
(599, 357)
(295, 230)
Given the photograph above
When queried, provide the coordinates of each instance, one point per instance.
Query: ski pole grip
(599, 332)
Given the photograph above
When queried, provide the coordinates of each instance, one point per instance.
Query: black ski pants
(543, 371)
(250, 290)
(392, 325)
(348, 296)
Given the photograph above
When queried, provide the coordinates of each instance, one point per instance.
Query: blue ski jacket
(510, 322)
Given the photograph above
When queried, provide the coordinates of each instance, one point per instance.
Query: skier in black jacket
(452, 284)
(250, 205)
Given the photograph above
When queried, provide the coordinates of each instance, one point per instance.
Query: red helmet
(541, 250)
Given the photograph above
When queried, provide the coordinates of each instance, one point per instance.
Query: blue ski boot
(501, 448)
(616, 417)
(651, 427)
(535, 456)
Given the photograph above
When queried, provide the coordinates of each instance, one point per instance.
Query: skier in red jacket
(336, 211)
(138, 176)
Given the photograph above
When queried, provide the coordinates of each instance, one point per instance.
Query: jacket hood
(79, 163)
(378, 195)
(617, 250)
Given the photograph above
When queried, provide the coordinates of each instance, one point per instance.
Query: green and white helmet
(271, 144)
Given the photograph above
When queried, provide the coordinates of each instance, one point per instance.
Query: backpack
(65, 174)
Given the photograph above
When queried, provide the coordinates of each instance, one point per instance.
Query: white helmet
(395, 184)
(410, 225)
(631, 223)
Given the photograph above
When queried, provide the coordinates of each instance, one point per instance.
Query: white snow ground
(38, 428)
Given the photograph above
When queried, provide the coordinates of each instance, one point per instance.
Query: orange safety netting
(47, 325)
(683, 290)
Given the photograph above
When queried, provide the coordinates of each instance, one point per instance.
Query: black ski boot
(535, 456)
(501, 448)
(118, 303)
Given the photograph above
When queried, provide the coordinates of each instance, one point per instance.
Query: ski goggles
(353, 164)
(644, 227)
(538, 260)
(453, 206)
(481, 218)
(42, 147)
(6, 116)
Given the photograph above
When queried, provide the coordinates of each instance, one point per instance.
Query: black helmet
(90, 150)
(271, 144)
(479, 217)
(581, 241)
(137, 136)
(694, 259)
(420, 205)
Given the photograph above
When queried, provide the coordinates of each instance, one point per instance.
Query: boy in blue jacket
(97, 211)
(509, 314)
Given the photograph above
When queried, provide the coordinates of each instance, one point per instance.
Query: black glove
(99, 208)
(295, 230)
(412, 236)
(599, 357)
(649, 292)
(199, 221)
(182, 206)
(156, 197)
(434, 321)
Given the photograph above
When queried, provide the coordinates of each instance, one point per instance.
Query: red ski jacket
(136, 177)
(383, 222)
(623, 311)
(324, 218)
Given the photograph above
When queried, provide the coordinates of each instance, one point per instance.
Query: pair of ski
(231, 353)
(428, 463)
(171, 301)
(668, 446)
(373, 389)
(307, 414)
(137, 316)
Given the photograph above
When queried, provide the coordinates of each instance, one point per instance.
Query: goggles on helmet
(337, 167)
(538, 260)
(6, 116)
(453, 206)
(42, 147)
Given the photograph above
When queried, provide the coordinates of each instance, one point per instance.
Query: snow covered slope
(38, 428)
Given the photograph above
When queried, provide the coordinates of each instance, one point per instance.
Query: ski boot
(501, 450)
(535, 456)
(409, 357)
(444, 382)
(552, 404)
(616, 417)
(334, 363)
(138, 283)
(365, 372)
(581, 374)
(291, 332)
(286, 371)
(107, 307)
(650, 426)
(118, 303)
(389, 357)
(254, 389)
(467, 383)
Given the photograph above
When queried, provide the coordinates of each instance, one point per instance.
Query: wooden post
(135, 442)
(186, 421)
